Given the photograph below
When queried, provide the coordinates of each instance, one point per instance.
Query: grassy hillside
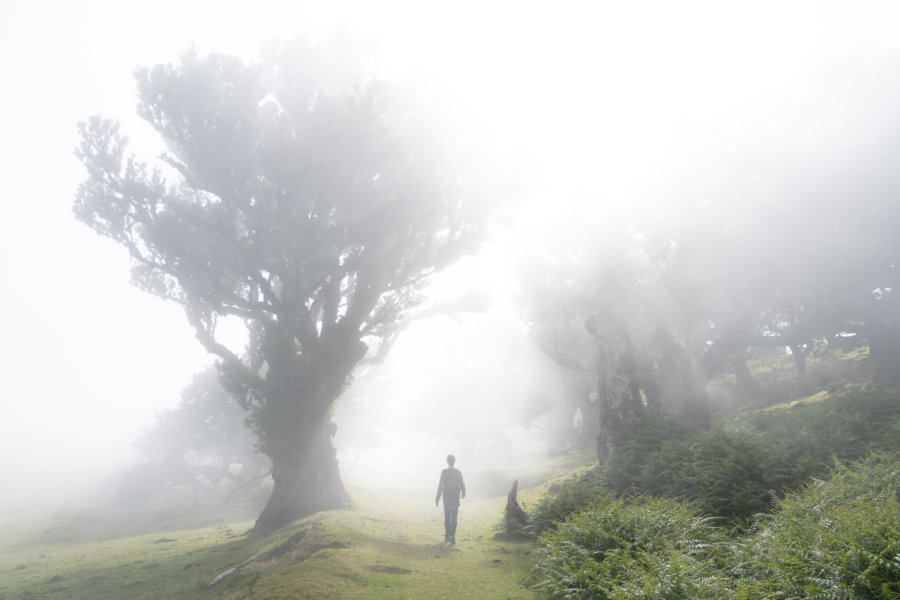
(382, 547)
(788, 497)
(775, 377)
(390, 547)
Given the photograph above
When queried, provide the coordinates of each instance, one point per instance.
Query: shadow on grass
(176, 565)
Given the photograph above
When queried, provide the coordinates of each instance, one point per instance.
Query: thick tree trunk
(883, 337)
(619, 411)
(743, 380)
(590, 420)
(296, 431)
(884, 351)
(577, 389)
(798, 353)
(307, 480)
(682, 381)
(619, 399)
(731, 347)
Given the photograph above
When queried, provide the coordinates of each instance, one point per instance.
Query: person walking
(452, 488)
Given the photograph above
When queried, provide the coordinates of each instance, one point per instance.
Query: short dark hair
(451, 459)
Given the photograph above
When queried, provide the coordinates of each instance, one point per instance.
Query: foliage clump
(572, 494)
(736, 469)
(642, 548)
(848, 426)
(723, 469)
(834, 538)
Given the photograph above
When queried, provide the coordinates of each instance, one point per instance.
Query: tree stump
(516, 518)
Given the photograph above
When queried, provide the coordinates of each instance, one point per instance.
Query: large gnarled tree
(309, 207)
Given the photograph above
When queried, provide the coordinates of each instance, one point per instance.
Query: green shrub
(847, 426)
(573, 494)
(724, 470)
(838, 538)
(646, 548)
(734, 469)
(628, 472)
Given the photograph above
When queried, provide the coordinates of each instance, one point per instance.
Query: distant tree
(785, 239)
(550, 308)
(306, 201)
(794, 244)
(202, 442)
(610, 312)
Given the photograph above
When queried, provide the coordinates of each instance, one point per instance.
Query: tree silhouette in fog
(795, 245)
(784, 238)
(303, 199)
(609, 313)
(202, 442)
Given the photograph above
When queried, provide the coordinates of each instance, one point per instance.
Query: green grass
(173, 564)
(381, 547)
(395, 550)
(775, 375)
(389, 546)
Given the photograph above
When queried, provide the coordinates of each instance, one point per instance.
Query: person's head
(451, 459)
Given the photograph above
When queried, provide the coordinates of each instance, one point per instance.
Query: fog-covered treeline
(778, 232)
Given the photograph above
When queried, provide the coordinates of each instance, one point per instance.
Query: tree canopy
(311, 205)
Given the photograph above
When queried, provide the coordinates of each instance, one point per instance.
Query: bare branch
(206, 336)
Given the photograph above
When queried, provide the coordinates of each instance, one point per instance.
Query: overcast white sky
(86, 358)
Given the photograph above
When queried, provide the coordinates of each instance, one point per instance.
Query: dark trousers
(450, 521)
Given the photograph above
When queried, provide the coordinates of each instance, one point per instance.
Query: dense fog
(689, 164)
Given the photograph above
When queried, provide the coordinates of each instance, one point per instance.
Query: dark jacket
(451, 486)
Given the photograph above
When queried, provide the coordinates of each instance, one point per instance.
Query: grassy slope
(383, 547)
(114, 554)
(827, 371)
(396, 551)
